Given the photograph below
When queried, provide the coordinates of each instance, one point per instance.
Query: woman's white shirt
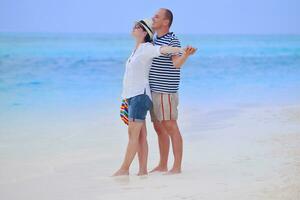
(136, 77)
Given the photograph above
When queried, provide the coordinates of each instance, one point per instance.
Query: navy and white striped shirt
(163, 76)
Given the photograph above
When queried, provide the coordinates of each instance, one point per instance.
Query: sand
(245, 152)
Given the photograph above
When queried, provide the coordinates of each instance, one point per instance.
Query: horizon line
(124, 33)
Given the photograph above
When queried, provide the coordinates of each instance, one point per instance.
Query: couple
(151, 82)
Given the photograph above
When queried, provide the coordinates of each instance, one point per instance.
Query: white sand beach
(247, 152)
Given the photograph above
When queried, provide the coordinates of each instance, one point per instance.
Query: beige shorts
(164, 106)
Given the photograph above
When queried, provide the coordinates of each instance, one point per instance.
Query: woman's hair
(147, 37)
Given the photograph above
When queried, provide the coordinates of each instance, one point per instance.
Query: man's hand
(178, 61)
(189, 50)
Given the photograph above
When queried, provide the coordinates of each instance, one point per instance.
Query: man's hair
(169, 16)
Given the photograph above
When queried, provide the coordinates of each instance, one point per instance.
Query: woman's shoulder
(147, 44)
(149, 49)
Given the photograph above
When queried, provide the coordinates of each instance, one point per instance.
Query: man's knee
(170, 126)
(158, 127)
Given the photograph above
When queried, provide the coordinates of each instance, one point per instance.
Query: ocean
(61, 136)
(67, 69)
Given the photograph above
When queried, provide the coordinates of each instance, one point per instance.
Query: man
(164, 78)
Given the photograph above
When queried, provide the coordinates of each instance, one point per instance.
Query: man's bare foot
(142, 173)
(173, 171)
(121, 172)
(159, 169)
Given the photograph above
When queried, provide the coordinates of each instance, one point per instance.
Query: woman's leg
(164, 146)
(143, 151)
(134, 129)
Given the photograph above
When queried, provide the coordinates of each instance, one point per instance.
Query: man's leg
(176, 139)
(143, 151)
(164, 146)
(134, 129)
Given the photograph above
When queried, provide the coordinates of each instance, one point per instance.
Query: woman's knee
(134, 131)
(143, 137)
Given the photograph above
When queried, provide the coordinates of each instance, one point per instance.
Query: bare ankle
(121, 172)
(160, 168)
(142, 173)
(174, 170)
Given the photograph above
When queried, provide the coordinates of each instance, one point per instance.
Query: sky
(190, 17)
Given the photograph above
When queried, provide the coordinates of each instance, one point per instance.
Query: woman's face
(138, 31)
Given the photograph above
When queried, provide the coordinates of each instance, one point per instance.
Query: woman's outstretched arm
(170, 50)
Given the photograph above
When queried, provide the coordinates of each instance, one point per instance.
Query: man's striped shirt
(163, 76)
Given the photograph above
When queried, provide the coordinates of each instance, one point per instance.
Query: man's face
(159, 19)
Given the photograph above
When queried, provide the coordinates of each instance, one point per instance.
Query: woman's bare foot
(121, 172)
(159, 169)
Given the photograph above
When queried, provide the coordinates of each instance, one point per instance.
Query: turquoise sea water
(46, 71)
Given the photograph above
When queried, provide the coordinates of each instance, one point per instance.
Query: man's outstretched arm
(178, 61)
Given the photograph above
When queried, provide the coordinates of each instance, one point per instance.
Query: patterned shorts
(164, 106)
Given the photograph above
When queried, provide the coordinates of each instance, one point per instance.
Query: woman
(137, 92)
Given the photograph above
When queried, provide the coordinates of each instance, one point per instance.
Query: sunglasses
(138, 26)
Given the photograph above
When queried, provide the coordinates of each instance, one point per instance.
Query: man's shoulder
(167, 39)
(170, 35)
(173, 36)
(174, 41)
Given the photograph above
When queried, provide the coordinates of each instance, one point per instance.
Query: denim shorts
(138, 107)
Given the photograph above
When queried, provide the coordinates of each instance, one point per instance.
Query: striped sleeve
(175, 43)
